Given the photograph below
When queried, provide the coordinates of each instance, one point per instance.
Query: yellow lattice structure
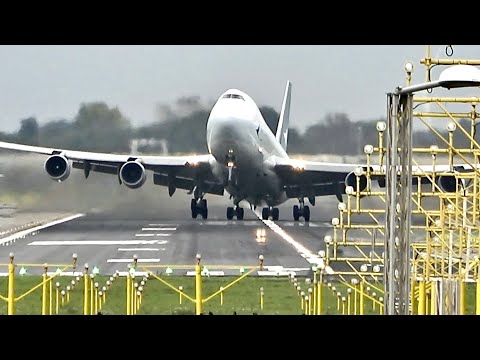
(445, 227)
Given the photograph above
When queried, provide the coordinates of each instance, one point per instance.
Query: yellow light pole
(221, 295)
(355, 283)
(320, 291)
(198, 286)
(362, 294)
(57, 297)
(310, 301)
(135, 298)
(349, 300)
(261, 298)
(44, 290)
(11, 285)
(96, 299)
(100, 296)
(129, 296)
(421, 297)
(315, 286)
(180, 288)
(104, 295)
(140, 294)
(86, 278)
(302, 295)
(68, 293)
(92, 294)
(478, 293)
(50, 297)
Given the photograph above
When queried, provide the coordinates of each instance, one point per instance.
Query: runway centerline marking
(176, 225)
(130, 260)
(152, 234)
(40, 227)
(302, 250)
(159, 229)
(138, 249)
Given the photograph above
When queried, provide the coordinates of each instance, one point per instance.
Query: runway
(108, 239)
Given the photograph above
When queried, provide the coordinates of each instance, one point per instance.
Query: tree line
(98, 127)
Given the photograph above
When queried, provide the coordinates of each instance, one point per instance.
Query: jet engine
(448, 183)
(57, 167)
(351, 180)
(133, 174)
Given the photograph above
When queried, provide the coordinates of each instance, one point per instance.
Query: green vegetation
(242, 298)
(182, 127)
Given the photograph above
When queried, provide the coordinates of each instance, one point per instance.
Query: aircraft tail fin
(284, 120)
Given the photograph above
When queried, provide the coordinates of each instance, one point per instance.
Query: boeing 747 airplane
(245, 159)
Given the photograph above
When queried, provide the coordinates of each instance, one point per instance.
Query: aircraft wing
(183, 172)
(310, 178)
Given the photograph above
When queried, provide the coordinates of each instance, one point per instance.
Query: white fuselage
(239, 139)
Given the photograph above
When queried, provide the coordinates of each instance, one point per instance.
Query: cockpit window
(233, 96)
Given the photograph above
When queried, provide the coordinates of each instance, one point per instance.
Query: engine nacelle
(448, 183)
(57, 167)
(133, 174)
(351, 180)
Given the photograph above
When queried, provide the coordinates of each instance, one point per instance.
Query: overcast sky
(50, 82)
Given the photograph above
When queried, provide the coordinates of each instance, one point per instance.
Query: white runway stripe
(130, 260)
(138, 249)
(93, 242)
(303, 251)
(159, 229)
(152, 235)
(36, 228)
(174, 225)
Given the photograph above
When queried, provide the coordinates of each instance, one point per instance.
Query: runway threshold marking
(95, 242)
(302, 250)
(40, 227)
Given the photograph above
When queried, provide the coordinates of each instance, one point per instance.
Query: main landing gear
(270, 211)
(199, 207)
(301, 211)
(237, 211)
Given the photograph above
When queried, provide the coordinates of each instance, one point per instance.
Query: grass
(242, 298)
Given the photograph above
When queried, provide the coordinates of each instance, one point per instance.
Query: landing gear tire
(306, 213)
(199, 208)
(299, 212)
(296, 212)
(240, 213)
(230, 212)
(273, 212)
(265, 213)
